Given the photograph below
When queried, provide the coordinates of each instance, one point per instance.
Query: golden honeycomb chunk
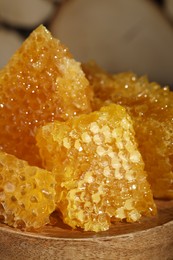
(99, 170)
(41, 83)
(151, 108)
(27, 193)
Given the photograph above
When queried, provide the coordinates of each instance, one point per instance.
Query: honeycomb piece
(151, 108)
(27, 193)
(99, 170)
(41, 83)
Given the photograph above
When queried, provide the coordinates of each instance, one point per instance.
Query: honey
(99, 170)
(76, 140)
(41, 83)
(27, 193)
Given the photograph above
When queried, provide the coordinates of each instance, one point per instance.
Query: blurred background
(120, 35)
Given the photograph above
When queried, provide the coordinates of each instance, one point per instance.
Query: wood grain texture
(151, 238)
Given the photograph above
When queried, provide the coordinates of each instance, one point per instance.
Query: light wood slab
(119, 35)
(152, 238)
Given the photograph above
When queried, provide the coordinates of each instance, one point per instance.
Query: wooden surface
(152, 239)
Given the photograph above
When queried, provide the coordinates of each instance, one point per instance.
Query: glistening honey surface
(102, 139)
(27, 193)
(41, 83)
(151, 108)
(99, 170)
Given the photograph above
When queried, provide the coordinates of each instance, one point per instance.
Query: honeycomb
(41, 83)
(151, 108)
(27, 193)
(99, 170)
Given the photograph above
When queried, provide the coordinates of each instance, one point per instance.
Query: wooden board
(151, 238)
